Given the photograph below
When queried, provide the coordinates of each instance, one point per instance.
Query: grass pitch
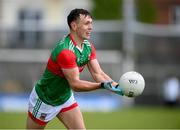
(129, 118)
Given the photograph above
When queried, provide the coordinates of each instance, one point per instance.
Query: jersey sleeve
(66, 59)
(93, 53)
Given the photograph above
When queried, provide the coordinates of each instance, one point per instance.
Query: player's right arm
(67, 61)
(72, 75)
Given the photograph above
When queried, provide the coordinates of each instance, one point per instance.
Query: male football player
(52, 96)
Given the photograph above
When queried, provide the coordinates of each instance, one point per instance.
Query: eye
(89, 23)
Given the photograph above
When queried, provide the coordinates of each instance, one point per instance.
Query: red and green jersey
(53, 88)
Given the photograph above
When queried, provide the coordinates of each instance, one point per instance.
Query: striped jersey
(53, 88)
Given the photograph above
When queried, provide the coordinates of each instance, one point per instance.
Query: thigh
(30, 124)
(72, 119)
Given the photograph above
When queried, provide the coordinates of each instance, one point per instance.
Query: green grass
(131, 118)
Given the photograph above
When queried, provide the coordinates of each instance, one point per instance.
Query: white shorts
(42, 113)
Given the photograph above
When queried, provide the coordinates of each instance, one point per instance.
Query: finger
(114, 83)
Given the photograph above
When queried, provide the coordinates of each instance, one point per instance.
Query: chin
(88, 37)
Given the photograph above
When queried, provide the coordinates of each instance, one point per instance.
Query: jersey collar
(75, 44)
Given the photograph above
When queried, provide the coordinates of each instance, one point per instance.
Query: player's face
(84, 27)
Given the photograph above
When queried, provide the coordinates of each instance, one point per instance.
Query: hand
(109, 85)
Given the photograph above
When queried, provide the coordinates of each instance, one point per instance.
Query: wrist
(102, 85)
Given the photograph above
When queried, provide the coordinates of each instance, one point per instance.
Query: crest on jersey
(43, 116)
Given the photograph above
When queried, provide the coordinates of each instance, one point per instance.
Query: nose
(90, 27)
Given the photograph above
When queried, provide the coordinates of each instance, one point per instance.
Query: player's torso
(53, 88)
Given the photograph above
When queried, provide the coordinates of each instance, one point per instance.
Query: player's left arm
(94, 68)
(100, 76)
(97, 73)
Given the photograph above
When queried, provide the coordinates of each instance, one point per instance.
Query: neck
(77, 40)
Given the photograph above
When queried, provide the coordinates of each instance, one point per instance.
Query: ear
(73, 26)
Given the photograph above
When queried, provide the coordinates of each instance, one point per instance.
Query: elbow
(75, 87)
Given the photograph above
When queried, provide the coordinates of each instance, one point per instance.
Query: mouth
(88, 33)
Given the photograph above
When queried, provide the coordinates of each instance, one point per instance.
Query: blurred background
(140, 35)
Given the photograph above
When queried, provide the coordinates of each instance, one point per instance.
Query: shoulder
(66, 59)
(64, 45)
(66, 53)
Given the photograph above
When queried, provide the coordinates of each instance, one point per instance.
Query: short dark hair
(74, 15)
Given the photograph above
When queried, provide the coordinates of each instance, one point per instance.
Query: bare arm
(96, 71)
(72, 75)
